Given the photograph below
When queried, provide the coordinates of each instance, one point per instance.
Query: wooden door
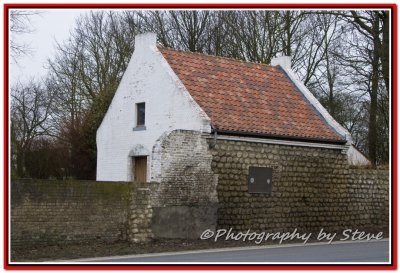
(140, 168)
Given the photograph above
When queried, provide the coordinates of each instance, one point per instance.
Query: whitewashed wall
(169, 106)
(356, 158)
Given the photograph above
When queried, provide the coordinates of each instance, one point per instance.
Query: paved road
(373, 251)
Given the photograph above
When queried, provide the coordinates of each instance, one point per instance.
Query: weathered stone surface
(185, 195)
(45, 212)
(185, 176)
(313, 188)
(140, 213)
(203, 188)
(183, 221)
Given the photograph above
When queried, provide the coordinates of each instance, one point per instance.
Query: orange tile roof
(248, 97)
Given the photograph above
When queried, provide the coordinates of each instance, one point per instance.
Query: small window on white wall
(140, 114)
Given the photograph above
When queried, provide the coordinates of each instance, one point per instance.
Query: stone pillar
(140, 214)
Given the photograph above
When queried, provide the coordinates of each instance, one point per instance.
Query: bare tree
(180, 29)
(329, 78)
(30, 112)
(294, 27)
(190, 28)
(373, 27)
(84, 75)
(254, 35)
(20, 24)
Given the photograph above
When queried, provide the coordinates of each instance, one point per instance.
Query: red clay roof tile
(248, 97)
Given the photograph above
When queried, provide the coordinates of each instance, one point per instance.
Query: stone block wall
(45, 212)
(140, 213)
(184, 195)
(184, 173)
(200, 188)
(369, 190)
(181, 203)
(313, 188)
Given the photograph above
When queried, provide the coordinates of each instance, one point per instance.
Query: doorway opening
(139, 168)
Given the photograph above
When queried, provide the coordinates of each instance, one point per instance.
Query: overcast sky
(49, 26)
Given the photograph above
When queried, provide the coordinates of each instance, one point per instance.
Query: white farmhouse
(164, 91)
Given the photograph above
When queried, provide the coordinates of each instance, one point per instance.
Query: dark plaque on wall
(260, 180)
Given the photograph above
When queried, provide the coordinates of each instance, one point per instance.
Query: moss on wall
(59, 212)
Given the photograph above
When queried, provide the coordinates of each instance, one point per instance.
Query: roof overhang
(280, 137)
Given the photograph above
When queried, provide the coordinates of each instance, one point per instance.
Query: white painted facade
(169, 106)
(356, 158)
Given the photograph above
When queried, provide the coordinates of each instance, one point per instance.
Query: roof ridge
(213, 56)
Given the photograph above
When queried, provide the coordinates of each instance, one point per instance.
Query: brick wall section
(59, 212)
(313, 188)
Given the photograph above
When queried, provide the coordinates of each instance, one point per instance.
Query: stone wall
(313, 188)
(59, 212)
(369, 190)
(185, 199)
(185, 176)
(140, 213)
(201, 188)
(180, 203)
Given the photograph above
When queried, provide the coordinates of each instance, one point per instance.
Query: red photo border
(393, 237)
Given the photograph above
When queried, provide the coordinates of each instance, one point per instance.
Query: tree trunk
(385, 48)
(288, 34)
(372, 130)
